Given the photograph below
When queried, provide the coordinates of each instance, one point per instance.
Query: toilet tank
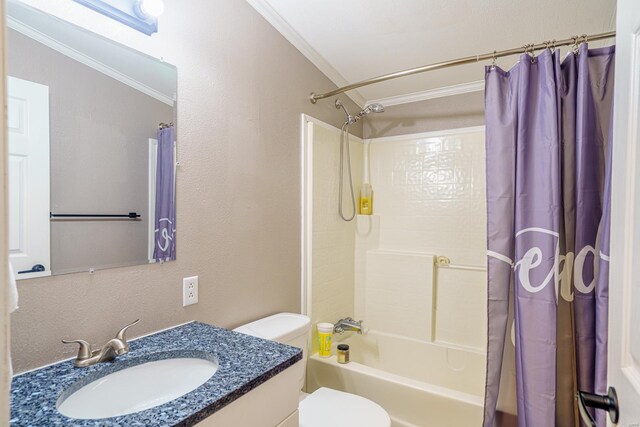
(286, 328)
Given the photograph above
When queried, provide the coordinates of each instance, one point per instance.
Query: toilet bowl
(325, 406)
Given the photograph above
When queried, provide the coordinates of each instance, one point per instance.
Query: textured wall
(99, 133)
(241, 90)
(449, 112)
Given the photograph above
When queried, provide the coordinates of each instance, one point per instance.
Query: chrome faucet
(348, 324)
(113, 348)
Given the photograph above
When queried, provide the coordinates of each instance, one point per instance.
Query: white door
(624, 285)
(28, 126)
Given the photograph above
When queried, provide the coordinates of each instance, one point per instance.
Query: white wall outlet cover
(189, 290)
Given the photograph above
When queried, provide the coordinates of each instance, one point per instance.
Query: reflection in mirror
(91, 149)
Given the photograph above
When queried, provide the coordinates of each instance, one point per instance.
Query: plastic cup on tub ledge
(325, 333)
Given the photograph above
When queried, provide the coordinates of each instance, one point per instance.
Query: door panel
(624, 288)
(28, 126)
(17, 177)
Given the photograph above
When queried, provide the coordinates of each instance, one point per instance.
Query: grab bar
(443, 261)
(466, 267)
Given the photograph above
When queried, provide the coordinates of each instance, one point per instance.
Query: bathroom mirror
(91, 149)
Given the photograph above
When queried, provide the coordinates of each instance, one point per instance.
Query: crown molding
(441, 92)
(264, 8)
(87, 60)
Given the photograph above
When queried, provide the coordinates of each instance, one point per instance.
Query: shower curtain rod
(575, 40)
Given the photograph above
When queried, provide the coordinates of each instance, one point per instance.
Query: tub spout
(348, 324)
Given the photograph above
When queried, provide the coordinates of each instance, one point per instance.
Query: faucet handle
(84, 352)
(121, 333)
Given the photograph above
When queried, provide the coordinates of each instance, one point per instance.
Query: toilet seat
(328, 407)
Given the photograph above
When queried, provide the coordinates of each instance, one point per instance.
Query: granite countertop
(244, 362)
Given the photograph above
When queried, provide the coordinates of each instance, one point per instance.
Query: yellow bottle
(366, 200)
(325, 333)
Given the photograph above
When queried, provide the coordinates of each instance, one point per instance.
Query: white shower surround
(422, 366)
(429, 200)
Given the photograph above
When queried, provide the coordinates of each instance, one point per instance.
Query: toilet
(325, 406)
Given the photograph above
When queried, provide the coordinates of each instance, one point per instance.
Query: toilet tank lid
(281, 327)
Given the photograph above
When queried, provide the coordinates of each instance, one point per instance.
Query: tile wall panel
(429, 199)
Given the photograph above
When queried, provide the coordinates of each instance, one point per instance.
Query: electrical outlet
(189, 291)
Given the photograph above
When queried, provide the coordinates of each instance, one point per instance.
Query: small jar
(343, 353)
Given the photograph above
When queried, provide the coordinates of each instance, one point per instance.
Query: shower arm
(339, 105)
(530, 49)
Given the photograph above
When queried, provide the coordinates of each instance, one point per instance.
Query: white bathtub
(418, 383)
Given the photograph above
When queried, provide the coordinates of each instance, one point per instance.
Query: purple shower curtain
(165, 221)
(547, 143)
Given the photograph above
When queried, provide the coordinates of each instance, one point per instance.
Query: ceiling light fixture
(149, 8)
(141, 15)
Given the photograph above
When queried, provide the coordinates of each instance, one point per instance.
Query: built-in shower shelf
(367, 225)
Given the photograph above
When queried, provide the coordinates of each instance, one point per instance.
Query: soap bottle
(366, 199)
(325, 333)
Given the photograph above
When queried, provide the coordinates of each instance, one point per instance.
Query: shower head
(371, 108)
(375, 108)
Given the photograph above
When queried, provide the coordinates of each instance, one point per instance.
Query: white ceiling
(357, 39)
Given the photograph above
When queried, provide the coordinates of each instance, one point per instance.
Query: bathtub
(419, 383)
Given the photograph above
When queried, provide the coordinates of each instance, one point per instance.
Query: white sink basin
(137, 388)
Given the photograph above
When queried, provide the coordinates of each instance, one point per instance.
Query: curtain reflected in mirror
(165, 210)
